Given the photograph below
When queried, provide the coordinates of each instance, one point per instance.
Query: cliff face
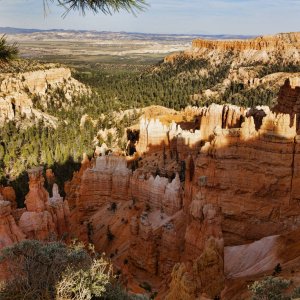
(20, 92)
(132, 216)
(242, 52)
(285, 41)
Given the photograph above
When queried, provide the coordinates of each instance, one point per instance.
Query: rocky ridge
(264, 62)
(276, 42)
(260, 49)
(24, 95)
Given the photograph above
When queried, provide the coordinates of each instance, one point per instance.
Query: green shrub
(270, 288)
(38, 270)
(7, 52)
(85, 284)
(146, 286)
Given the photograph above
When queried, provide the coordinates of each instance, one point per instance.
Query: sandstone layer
(260, 49)
(23, 94)
(276, 42)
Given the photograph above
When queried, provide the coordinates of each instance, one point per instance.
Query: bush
(85, 284)
(270, 288)
(115, 292)
(113, 206)
(38, 271)
(7, 52)
(110, 236)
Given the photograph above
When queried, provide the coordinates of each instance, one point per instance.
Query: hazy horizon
(211, 17)
(121, 31)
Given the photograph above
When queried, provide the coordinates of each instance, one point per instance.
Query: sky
(248, 17)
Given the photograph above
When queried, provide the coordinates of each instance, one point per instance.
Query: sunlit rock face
(261, 49)
(284, 41)
(17, 91)
(109, 178)
(155, 136)
(37, 198)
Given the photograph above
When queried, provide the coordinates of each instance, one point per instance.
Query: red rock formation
(262, 49)
(71, 187)
(9, 231)
(203, 255)
(232, 153)
(246, 60)
(9, 194)
(50, 177)
(43, 217)
(37, 198)
(200, 279)
(60, 212)
(156, 222)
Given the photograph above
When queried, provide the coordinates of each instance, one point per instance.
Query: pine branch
(107, 7)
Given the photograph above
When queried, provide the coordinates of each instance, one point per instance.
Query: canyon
(206, 203)
(219, 202)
